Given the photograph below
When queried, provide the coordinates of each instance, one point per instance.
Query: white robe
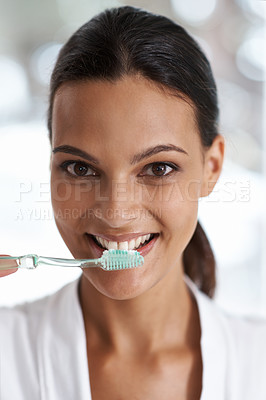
(43, 351)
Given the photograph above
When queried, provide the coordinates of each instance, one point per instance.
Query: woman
(134, 134)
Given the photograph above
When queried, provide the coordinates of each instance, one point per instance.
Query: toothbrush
(111, 260)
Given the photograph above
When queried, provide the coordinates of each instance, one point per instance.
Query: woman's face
(127, 161)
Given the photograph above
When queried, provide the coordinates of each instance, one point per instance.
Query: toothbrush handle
(63, 262)
(31, 261)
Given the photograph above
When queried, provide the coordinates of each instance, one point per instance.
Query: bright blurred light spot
(233, 213)
(43, 61)
(233, 97)
(194, 12)
(14, 97)
(232, 217)
(254, 6)
(232, 30)
(27, 224)
(28, 143)
(238, 126)
(250, 56)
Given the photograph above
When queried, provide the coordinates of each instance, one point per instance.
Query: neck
(144, 323)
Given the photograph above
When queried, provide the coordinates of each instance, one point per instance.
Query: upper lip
(121, 238)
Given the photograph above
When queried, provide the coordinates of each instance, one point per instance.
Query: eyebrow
(136, 158)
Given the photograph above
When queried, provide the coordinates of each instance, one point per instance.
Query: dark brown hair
(126, 41)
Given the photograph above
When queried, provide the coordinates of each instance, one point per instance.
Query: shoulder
(233, 351)
(246, 353)
(238, 345)
(238, 329)
(247, 335)
(243, 329)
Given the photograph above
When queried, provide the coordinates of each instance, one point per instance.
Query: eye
(78, 169)
(160, 169)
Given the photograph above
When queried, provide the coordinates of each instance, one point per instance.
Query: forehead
(131, 108)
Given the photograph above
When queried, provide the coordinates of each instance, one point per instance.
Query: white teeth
(105, 243)
(131, 245)
(123, 245)
(113, 245)
(100, 240)
(147, 237)
(137, 242)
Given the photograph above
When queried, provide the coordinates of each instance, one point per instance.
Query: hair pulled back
(129, 41)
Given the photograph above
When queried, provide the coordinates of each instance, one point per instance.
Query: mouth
(143, 244)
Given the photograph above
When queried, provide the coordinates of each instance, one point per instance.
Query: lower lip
(98, 251)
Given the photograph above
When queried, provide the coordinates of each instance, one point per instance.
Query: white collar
(217, 381)
(68, 350)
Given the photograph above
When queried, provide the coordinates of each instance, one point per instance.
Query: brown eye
(157, 170)
(80, 169)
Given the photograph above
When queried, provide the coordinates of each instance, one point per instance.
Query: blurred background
(232, 34)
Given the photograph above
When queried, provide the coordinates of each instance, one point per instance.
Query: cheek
(174, 197)
(70, 202)
(177, 211)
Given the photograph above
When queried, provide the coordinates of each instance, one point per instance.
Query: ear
(213, 162)
(50, 164)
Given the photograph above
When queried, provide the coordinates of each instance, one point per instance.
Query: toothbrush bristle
(112, 260)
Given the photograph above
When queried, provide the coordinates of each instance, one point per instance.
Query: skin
(143, 324)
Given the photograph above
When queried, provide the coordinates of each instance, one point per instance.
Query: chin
(118, 285)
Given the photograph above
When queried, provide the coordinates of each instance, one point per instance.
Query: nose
(117, 205)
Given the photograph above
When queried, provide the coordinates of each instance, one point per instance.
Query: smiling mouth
(140, 246)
